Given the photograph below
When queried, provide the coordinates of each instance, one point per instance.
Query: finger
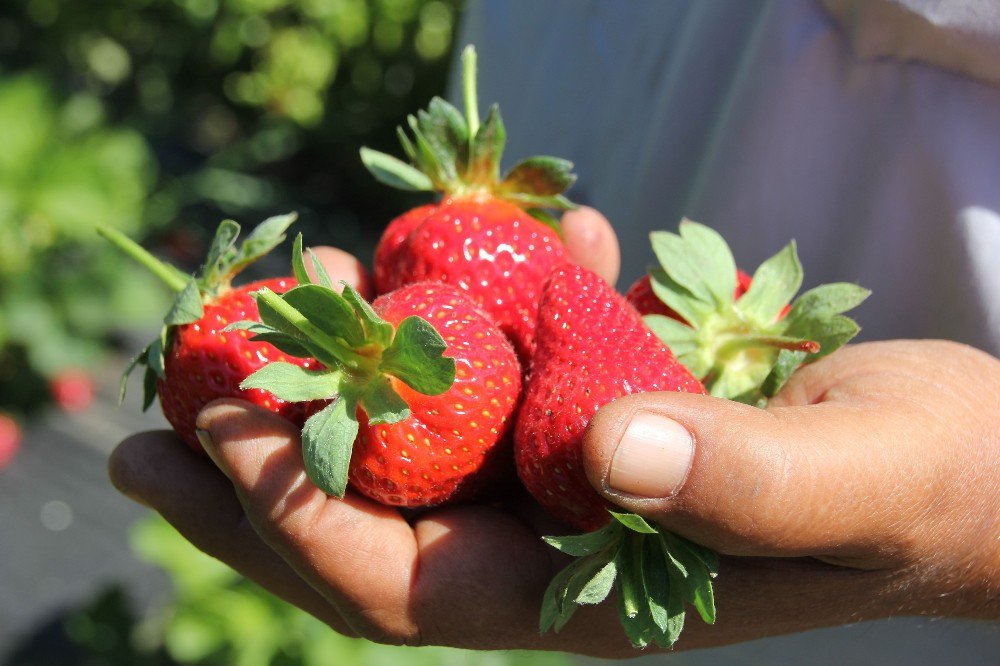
(360, 555)
(343, 266)
(789, 481)
(591, 242)
(158, 471)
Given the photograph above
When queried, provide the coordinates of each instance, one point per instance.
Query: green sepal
(294, 383)
(548, 219)
(487, 149)
(678, 298)
(394, 172)
(382, 404)
(220, 253)
(154, 354)
(541, 175)
(681, 338)
(327, 310)
(263, 238)
(327, 441)
(149, 381)
(774, 284)
(322, 277)
(187, 307)
(716, 264)
(633, 522)
(378, 330)
(299, 267)
(138, 359)
(580, 545)
(415, 357)
(264, 333)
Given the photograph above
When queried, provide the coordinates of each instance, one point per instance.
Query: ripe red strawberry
(592, 348)
(195, 360)
(72, 390)
(421, 384)
(489, 235)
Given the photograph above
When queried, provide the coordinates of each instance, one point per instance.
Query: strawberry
(10, 439)
(72, 390)
(592, 348)
(421, 388)
(739, 335)
(489, 235)
(195, 360)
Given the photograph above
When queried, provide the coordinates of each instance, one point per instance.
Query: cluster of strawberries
(485, 343)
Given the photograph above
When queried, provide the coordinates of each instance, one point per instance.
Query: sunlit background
(160, 118)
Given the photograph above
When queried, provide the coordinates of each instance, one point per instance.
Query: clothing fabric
(758, 119)
(867, 131)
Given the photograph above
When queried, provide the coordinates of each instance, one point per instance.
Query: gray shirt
(868, 131)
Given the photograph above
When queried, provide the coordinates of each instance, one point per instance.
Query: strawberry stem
(170, 276)
(341, 352)
(469, 91)
(775, 342)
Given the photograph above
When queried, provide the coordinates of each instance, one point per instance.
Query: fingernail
(205, 439)
(652, 458)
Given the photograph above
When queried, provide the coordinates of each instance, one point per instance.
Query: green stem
(776, 342)
(171, 276)
(341, 352)
(469, 90)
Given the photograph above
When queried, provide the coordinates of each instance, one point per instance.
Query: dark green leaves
(654, 572)
(415, 357)
(542, 176)
(187, 307)
(327, 442)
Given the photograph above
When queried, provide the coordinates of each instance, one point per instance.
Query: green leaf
(154, 354)
(533, 201)
(580, 545)
(138, 359)
(219, 252)
(327, 440)
(677, 261)
(322, 277)
(415, 357)
(382, 404)
(827, 300)
(774, 284)
(552, 600)
(679, 338)
(656, 583)
(541, 175)
(438, 165)
(487, 148)
(633, 522)
(786, 364)
(266, 236)
(377, 330)
(149, 380)
(187, 307)
(298, 263)
(598, 587)
(395, 173)
(283, 342)
(584, 572)
(292, 383)
(633, 604)
(451, 128)
(713, 260)
(706, 556)
(328, 311)
(679, 299)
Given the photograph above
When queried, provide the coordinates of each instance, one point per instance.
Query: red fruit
(492, 249)
(641, 296)
(72, 390)
(10, 439)
(592, 348)
(194, 360)
(490, 235)
(453, 441)
(205, 362)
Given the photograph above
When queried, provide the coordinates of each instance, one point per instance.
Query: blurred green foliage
(218, 617)
(161, 117)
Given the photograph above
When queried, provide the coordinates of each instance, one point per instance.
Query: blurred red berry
(72, 390)
(10, 439)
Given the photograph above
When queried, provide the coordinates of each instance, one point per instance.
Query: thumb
(792, 481)
(591, 242)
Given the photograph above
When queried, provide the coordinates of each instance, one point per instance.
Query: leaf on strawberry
(327, 439)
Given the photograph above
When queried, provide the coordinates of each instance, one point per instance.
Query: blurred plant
(61, 171)
(218, 617)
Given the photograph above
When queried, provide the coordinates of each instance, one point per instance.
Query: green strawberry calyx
(654, 572)
(460, 157)
(743, 348)
(361, 353)
(224, 261)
